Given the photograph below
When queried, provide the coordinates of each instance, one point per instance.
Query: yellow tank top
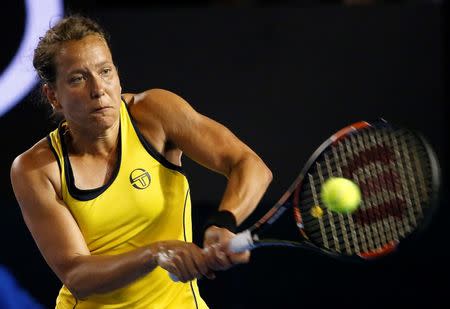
(146, 200)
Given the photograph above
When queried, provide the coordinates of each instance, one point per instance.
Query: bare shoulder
(157, 103)
(34, 158)
(161, 115)
(35, 165)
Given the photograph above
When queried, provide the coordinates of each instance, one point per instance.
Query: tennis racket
(398, 175)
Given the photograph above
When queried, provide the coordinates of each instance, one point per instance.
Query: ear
(50, 93)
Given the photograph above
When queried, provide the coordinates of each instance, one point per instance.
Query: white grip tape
(241, 242)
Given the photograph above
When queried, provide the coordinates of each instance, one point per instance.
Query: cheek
(74, 107)
(73, 101)
(116, 90)
(117, 85)
(72, 97)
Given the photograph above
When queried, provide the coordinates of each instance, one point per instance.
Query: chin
(106, 119)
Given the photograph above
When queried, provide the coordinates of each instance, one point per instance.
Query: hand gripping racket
(398, 175)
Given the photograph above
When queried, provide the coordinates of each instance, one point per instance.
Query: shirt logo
(140, 178)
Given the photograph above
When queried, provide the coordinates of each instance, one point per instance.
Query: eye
(106, 71)
(76, 79)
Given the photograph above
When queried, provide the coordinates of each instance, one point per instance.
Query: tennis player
(105, 196)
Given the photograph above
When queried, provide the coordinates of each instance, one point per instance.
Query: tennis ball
(340, 195)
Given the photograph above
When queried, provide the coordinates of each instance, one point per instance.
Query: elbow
(255, 166)
(264, 173)
(73, 284)
(77, 292)
(267, 174)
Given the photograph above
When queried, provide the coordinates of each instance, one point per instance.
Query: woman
(105, 196)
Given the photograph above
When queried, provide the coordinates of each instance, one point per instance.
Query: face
(87, 88)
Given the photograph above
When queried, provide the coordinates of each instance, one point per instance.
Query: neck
(82, 141)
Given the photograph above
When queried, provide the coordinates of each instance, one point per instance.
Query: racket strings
(383, 199)
(389, 168)
(369, 179)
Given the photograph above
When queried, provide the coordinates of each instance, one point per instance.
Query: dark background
(282, 75)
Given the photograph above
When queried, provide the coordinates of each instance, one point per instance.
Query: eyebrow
(98, 65)
(103, 63)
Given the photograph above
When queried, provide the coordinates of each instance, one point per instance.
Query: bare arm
(62, 244)
(215, 147)
(212, 145)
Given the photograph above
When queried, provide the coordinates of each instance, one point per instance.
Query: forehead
(88, 51)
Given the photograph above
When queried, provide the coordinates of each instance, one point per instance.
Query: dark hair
(72, 27)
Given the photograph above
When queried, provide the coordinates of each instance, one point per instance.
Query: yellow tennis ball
(340, 195)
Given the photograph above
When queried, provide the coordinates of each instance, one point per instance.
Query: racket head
(399, 178)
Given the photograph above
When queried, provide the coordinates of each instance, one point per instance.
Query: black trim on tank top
(89, 194)
(185, 239)
(151, 150)
(49, 140)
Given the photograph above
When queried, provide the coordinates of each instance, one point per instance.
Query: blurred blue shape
(12, 295)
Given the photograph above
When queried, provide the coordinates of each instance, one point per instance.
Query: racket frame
(249, 239)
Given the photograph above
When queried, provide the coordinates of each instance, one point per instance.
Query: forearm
(247, 182)
(101, 274)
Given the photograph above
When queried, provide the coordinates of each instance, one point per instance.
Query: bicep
(201, 138)
(172, 120)
(211, 144)
(51, 224)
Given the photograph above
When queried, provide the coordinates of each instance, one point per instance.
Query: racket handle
(241, 242)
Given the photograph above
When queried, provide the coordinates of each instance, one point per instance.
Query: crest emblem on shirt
(140, 178)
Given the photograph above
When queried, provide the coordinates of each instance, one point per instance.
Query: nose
(97, 87)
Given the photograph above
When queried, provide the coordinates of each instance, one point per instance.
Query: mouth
(101, 109)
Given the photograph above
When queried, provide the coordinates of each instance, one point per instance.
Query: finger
(224, 259)
(218, 260)
(166, 262)
(240, 258)
(201, 262)
(173, 263)
(181, 269)
(191, 264)
(185, 262)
